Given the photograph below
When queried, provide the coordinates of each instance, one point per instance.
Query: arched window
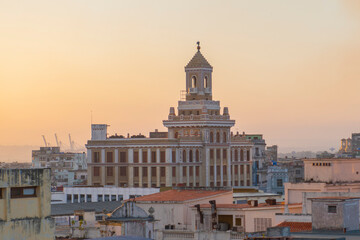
(193, 82)
(241, 155)
(197, 159)
(205, 82)
(190, 156)
(184, 156)
(211, 137)
(217, 137)
(224, 137)
(236, 155)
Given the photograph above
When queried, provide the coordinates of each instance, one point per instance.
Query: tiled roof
(69, 208)
(180, 195)
(297, 226)
(198, 61)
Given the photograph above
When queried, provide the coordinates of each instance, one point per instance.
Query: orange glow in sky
(287, 69)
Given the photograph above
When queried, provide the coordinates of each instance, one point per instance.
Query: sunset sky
(287, 69)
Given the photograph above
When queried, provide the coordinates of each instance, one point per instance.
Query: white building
(98, 194)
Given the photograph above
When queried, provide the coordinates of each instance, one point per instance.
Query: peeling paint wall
(26, 217)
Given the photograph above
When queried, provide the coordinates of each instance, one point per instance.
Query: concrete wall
(26, 217)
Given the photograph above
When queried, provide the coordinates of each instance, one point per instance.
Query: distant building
(271, 153)
(350, 147)
(67, 168)
(25, 204)
(15, 165)
(276, 177)
(197, 151)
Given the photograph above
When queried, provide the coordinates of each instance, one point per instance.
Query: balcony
(193, 90)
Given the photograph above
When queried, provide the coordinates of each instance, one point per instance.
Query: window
(153, 156)
(224, 137)
(257, 153)
(193, 82)
(100, 198)
(109, 171)
(136, 156)
(162, 171)
(68, 198)
(23, 192)
(123, 157)
(184, 171)
(217, 137)
(225, 154)
(190, 156)
(331, 209)
(123, 171)
(248, 155)
(96, 157)
(113, 197)
(197, 159)
(88, 197)
(205, 82)
(197, 171)
(241, 155)
(162, 156)
(211, 137)
(82, 198)
(76, 198)
(153, 171)
(136, 172)
(96, 171)
(173, 156)
(106, 198)
(297, 171)
(144, 156)
(176, 134)
(279, 182)
(109, 157)
(120, 197)
(184, 156)
(144, 172)
(174, 171)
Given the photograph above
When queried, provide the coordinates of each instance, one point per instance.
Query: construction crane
(57, 142)
(71, 143)
(46, 144)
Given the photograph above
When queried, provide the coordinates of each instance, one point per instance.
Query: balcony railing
(198, 117)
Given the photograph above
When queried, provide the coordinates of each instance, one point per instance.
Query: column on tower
(103, 167)
(228, 168)
(131, 168)
(207, 167)
(116, 174)
(221, 167)
(158, 167)
(149, 166)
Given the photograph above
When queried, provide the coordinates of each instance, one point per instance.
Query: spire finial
(198, 47)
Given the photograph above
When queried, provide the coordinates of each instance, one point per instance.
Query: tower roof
(198, 61)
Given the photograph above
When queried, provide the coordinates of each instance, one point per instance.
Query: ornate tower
(198, 78)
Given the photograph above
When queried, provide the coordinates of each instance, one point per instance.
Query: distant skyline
(289, 70)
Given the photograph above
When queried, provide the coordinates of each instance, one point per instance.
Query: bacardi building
(198, 149)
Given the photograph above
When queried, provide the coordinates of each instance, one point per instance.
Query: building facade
(198, 149)
(67, 168)
(25, 204)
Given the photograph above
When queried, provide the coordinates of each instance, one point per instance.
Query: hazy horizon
(286, 69)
